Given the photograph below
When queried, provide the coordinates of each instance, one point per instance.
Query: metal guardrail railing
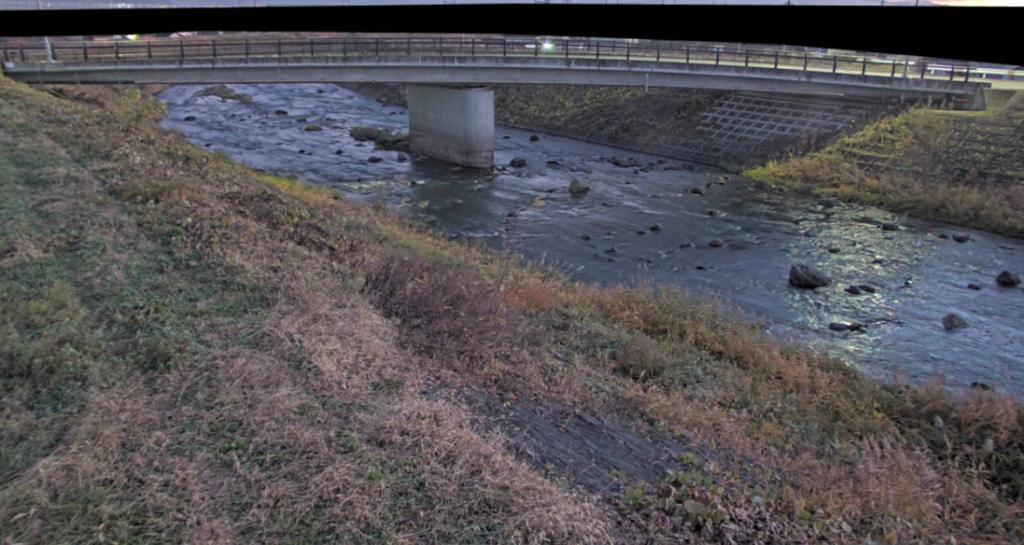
(322, 48)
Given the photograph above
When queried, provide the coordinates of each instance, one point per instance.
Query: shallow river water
(919, 277)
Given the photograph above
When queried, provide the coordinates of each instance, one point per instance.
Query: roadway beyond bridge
(451, 117)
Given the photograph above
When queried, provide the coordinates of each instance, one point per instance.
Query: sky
(55, 4)
(1015, 3)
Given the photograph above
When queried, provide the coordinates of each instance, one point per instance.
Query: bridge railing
(679, 56)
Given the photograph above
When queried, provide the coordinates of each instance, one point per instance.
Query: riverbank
(918, 273)
(194, 351)
(963, 169)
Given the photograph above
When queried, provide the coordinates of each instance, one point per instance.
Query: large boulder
(805, 276)
(517, 162)
(1008, 279)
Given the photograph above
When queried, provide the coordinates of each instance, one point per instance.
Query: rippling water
(918, 276)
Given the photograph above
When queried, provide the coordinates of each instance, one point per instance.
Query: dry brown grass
(449, 314)
(911, 179)
(307, 417)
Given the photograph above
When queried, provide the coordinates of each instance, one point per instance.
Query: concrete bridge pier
(452, 123)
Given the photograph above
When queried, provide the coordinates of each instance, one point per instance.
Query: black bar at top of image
(968, 34)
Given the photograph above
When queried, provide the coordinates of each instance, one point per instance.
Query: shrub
(381, 138)
(225, 93)
(448, 313)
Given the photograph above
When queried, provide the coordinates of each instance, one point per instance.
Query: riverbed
(645, 223)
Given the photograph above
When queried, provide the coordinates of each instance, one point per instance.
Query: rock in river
(961, 237)
(374, 159)
(578, 188)
(1008, 279)
(805, 276)
(715, 243)
(534, 138)
(517, 162)
(953, 321)
(624, 162)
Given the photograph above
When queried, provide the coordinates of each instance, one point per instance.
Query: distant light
(548, 46)
(133, 37)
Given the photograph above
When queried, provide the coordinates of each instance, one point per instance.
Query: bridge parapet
(478, 70)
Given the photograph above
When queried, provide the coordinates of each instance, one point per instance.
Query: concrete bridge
(451, 111)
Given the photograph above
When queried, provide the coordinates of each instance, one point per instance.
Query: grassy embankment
(901, 164)
(194, 352)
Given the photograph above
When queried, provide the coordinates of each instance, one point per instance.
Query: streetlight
(46, 40)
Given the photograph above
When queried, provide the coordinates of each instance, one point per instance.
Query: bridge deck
(481, 61)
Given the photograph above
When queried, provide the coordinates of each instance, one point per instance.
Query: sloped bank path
(918, 276)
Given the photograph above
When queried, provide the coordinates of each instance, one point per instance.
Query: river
(918, 276)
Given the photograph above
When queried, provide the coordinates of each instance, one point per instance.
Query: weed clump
(225, 93)
(43, 342)
(382, 139)
(448, 314)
